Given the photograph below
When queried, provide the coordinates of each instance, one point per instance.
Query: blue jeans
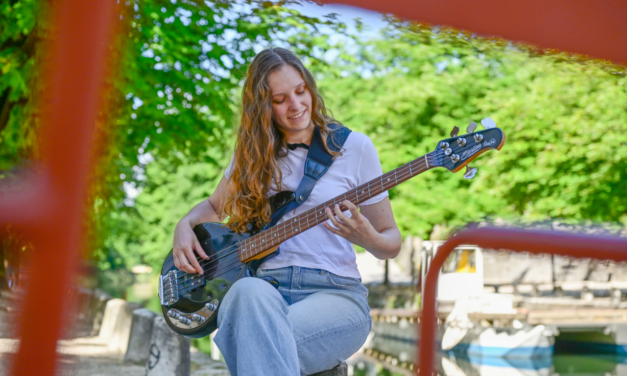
(311, 323)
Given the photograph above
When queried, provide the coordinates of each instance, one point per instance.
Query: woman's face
(291, 103)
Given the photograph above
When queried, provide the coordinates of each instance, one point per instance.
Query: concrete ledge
(109, 318)
(141, 333)
(169, 353)
(122, 329)
(97, 310)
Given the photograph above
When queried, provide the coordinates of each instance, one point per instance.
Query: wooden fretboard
(279, 233)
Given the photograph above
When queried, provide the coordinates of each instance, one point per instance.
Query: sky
(346, 14)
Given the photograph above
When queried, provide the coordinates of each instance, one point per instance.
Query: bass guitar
(190, 302)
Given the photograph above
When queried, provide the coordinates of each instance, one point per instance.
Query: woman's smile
(297, 116)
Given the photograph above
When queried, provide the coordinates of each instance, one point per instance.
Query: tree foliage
(22, 30)
(565, 123)
(180, 75)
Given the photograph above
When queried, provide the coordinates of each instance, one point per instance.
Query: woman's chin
(297, 126)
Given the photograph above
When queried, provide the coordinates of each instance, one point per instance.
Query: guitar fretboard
(279, 233)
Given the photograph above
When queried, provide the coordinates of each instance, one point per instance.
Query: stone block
(122, 328)
(169, 353)
(139, 339)
(110, 318)
(339, 370)
(99, 304)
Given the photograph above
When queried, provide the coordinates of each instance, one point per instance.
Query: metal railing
(518, 240)
(49, 208)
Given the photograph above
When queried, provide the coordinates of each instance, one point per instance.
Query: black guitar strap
(317, 164)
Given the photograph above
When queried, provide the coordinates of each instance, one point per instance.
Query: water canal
(374, 361)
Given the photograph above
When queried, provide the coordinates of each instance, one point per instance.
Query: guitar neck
(272, 237)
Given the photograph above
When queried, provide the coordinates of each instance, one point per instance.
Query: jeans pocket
(347, 283)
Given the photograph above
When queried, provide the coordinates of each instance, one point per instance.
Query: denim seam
(340, 329)
(346, 287)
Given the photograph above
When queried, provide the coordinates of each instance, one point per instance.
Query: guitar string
(289, 233)
(402, 169)
(285, 232)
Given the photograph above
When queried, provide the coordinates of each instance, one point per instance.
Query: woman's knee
(251, 292)
(248, 296)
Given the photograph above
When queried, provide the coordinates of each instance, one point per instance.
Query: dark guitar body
(198, 291)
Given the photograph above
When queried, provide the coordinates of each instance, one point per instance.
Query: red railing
(532, 241)
(50, 206)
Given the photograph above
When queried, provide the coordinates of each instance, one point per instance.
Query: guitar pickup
(192, 283)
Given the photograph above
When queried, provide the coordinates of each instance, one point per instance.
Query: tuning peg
(488, 123)
(471, 127)
(455, 131)
(470, 172)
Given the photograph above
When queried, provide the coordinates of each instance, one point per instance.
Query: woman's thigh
(328, 326)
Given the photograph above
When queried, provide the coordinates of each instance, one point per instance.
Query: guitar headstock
(457, 151)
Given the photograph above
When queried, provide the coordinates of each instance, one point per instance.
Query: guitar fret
(314, 216)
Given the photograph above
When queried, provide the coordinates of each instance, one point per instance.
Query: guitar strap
(317, 164)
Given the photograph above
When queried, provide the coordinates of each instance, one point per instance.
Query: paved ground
(89, 356)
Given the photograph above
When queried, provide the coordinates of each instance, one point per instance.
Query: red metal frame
(50, 208)
(594, 28)
(533, 241)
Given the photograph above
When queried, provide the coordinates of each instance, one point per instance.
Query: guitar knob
(461, 141)
(455, 158)
(478, 138)
(185, 321)
(448, 151)
(210, 307)
(488, 123)
(455, 131)
(471, 127)
(470, 172)
(444, 145)
(199, 319)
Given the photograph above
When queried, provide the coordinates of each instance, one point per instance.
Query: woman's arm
(374, 228)
(185, 241)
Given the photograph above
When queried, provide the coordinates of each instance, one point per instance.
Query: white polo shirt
(318, 248)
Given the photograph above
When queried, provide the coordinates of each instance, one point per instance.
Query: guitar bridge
(168, 288)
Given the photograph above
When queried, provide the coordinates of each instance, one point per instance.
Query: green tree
(180, 74)
(23, 29)
(565, 122)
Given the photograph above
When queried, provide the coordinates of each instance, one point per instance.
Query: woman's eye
(301, 92)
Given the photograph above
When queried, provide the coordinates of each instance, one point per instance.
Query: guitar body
(192, 308)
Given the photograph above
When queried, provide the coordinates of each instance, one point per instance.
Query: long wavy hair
(260, 144)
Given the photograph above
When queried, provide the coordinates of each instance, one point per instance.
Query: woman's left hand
(356, 229)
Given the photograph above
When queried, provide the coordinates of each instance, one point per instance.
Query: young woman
(319, 314)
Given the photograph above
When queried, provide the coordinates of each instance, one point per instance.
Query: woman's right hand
(185, 242)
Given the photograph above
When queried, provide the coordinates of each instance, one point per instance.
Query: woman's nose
(293, 102)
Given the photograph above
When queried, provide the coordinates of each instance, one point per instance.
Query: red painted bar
(533, 241)
(50, 207)
(596, 28)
